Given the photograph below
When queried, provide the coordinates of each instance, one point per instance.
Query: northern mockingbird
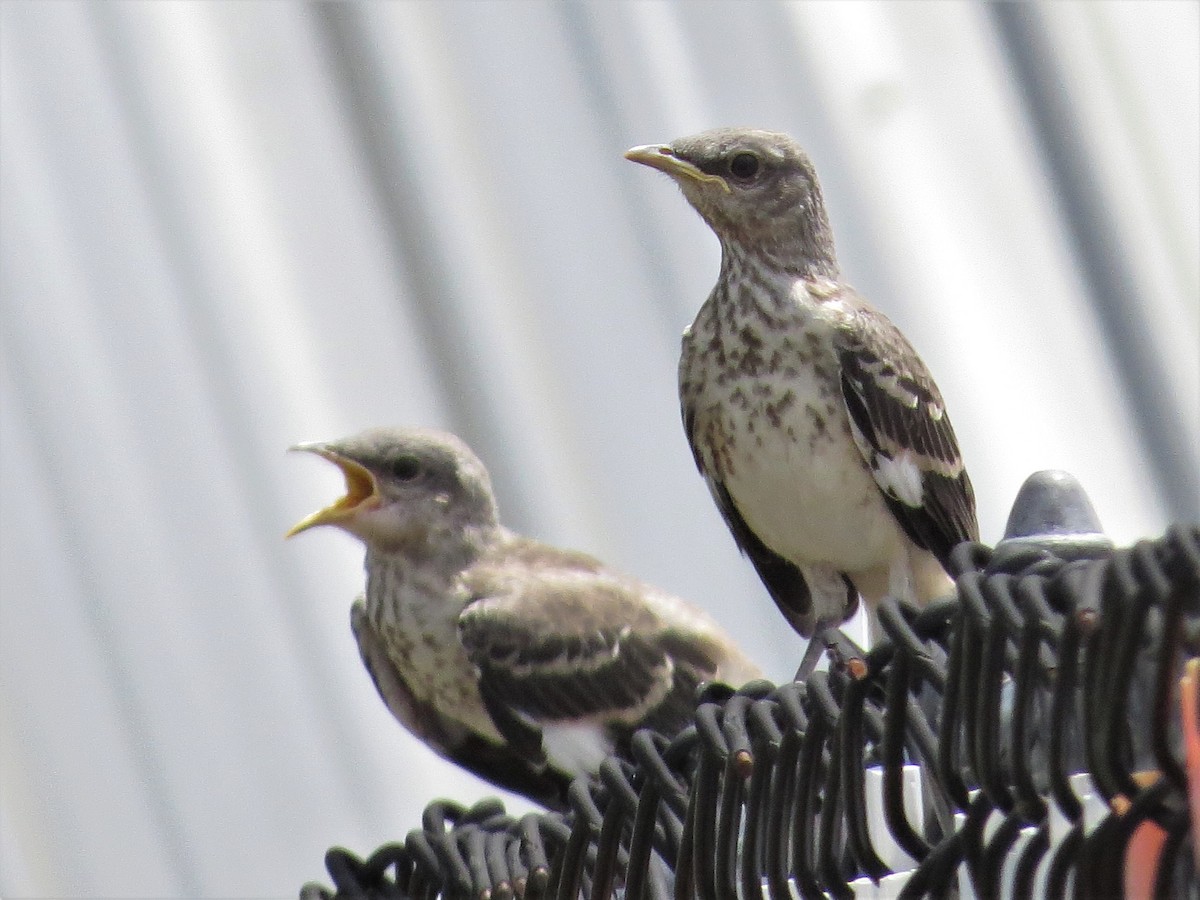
(821, 434)
(523, 663)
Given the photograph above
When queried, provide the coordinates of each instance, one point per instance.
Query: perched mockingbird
(820, 432)
(521, 662)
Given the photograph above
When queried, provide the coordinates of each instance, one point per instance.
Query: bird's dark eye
(406, 468)
(743, 165)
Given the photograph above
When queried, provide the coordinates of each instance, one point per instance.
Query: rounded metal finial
(1052, 510)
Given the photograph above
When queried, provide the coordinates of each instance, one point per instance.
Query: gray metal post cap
(1053, 510)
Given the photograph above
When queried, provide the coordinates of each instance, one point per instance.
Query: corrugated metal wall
(227, 227)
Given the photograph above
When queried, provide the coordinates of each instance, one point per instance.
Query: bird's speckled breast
(418, 620)
(762, 388)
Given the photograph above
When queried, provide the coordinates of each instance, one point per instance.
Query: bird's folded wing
(900, 425)
(557, 639)
(502, 764)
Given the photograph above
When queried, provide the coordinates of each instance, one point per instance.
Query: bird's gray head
(757, 190)
(405, 489)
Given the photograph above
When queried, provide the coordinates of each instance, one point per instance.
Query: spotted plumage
(522, 662)
(821, 434)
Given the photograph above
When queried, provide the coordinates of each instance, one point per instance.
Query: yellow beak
(362, 491)
(663, 158)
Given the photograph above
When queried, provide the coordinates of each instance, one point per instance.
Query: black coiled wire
(1044, 666)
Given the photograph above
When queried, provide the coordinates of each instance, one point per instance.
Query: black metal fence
(1022, 739)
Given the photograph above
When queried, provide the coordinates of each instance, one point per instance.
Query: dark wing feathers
(550, 678)
(515, 767)
(895, 406)
(564, 647)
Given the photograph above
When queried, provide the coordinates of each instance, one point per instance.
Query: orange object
(1144, 849)
(1189, 699)
(1142, 854)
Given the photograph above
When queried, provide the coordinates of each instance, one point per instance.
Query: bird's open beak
(663, 158)
(362, 491)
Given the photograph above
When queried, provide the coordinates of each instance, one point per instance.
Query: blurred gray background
(229, 227)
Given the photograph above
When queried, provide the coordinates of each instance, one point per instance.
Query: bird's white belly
(803, 487)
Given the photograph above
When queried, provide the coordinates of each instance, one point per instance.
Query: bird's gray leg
(812, 655)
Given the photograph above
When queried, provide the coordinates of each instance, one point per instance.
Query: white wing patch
(899, 478)
(576, 746)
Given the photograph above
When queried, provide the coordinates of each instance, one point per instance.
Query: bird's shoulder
(866, 336)
(575, 591)
(551, 594)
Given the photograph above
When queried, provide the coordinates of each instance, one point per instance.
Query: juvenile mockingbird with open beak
(523, 663)
(822, 436)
